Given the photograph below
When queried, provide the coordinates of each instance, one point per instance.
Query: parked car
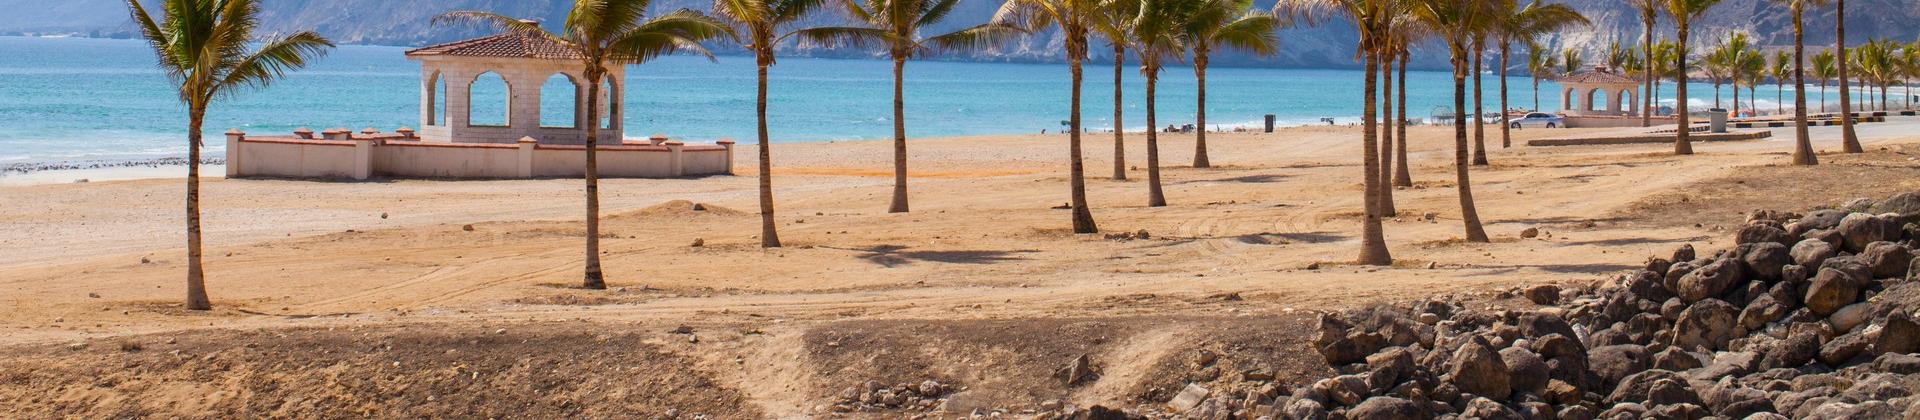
(1538, 119)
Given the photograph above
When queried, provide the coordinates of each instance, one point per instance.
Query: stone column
(678, 165)
(234, 138)
(527, 145)
(362, 158)
(728, 144)
(523, 107)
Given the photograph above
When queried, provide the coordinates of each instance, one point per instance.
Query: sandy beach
(1257, 243)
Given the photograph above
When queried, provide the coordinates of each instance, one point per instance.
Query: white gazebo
(527, 63)
(1599, 92)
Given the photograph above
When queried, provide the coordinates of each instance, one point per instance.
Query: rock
(1734, 363)
(699, 242)
(1477, 369)
(1386, 408)
(1647, 284)
(1575, 412)
(1792, 352)
(1759, 233)
(1530, 233)
(1346, 348)
(1876, 387)
(1840, 349)
(1528, 372)
(1545, 294)
(1761, 311)
(1833, 288)
(1823, 219)
(1905, 205)
(1616, 362)
(1684, 253)
(1707, 324)
(929, 388)
(1389, 367)
(1708, 281)
(1812, 252)
(468, 227)
(1188, 398)
(1671, 392)
(1076, 370)
(1849, 316)
(1900, 335)
(1674, 359)
(1913, 271)
(1304, 409)
(1638, 387)
(1887, 259)
(1344, 389)
(1765, 260)
(1486, 409)
(1860, 229)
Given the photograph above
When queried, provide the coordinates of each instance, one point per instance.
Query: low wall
(364, 158)
(1602, 121)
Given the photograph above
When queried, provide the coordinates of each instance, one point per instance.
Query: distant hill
(407, 23)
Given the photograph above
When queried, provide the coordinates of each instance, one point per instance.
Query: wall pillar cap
(528, 139)
(235, 131)
(369, 131)
(675, 144)
(724, 141)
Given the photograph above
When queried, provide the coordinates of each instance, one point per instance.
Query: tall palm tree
(1824, 70)
(1849, 140)
(1802, 142)
(1910, 66)
(203, 45)
(1684, 12)
(1479, 104)
(1753, 72)
(897, 24)
(1665, 55)
(1649, 15)
(1877, 67)
(1111, 22)
(1224, 23)
(1074, 18)
(609, 33)
(1456, 22)
(1729, 62)
(1402, 176)
(1570, 62)
(1541, 64)
(1717, 64)
(765, 24)
(1779, 68)
(1154, 35)
(1515, 23)
(1372, 19)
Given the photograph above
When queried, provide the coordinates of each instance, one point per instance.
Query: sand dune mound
(681, 209)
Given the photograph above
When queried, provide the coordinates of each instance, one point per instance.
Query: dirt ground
(375, 299)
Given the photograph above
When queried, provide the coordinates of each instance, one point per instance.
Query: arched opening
(1566, 100)
(560, 102)
(610, 103)
(1596, 98)
(489, 101)
(1624, 100)
(436, 100)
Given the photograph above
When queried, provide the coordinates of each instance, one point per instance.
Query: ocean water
(75, 99)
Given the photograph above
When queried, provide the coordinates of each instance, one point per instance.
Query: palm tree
(1824, 70)
(1456, 22)
(1540, 65)
(1402, 176)
(1516, 23)
(1373, 20)
(1803, 143)
(606, 33)
(1479, 105)
(203, 47)
(1779, 69)
(1154, 35)
(1683, 12)
(1717, 64)
(1849, 140)
(1910, 64)
(763, 22)
(1225, 23)
(1753, 72)
(1111, 21)
(1649, 15)
(1665, 54)
(1074, 18)
(1570, 62)
(1877, 67)
(897, 25)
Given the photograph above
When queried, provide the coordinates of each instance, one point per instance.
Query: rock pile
(1807, 316)
(876, 396)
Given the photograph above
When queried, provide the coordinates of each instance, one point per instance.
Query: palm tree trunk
(1401, 176)
(899, 135)
(1802, 143)
(1681, 136)
(769, 236)
(1082, 217)
(1736, 93)
(196, 274)
(1506, 136)
(1200, 117)
(594, 278)
(1479, 106)
(1119, 130)
(1387, 208)
(1536, 94)
(1155, 196)
(1849, 140)
(1823, 96)
(1468, 214)
(1373, 243)
(1646, 101)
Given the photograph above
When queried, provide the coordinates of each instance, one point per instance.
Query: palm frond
(273, 60)
(158, 40)
(1255, 32)
(974, 38)
(856, 37)
(677, 31)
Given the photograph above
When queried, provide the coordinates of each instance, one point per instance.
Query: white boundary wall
(365, 158)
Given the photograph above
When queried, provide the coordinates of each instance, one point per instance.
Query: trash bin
(1270, 121)
(1718, 120)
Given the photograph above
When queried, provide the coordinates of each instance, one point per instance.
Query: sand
(102, 261)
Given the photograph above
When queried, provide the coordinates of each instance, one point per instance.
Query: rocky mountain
(408, 22)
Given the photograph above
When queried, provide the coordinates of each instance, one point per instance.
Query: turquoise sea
(75, 99)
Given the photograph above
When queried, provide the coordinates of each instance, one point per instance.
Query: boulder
(1305, 409)
(1476, 369)
(1684, 253)
(1792, 352)
(1647, 284)
(1616, 362)
(1708, 324)
(1900, 335)
(1887, 259)
(1188, 398)
(1670, 392)
(1546, 294)
(1812, 252)
(1760, 233)
(1905, 205)
(1849, 316)
(1761, 311)
(1388, 368)
(1674, 359)
(1733, 363)
(1860, 229)
(1843, 348)
(1638, 387)
(1764, 260)
(1339, 346)
(1708, 281)
(1386, 408)
(1528, 371)
(1832, 289)
(1897, 363)
(1575, 412)
(1486, 409)
(1823, 219)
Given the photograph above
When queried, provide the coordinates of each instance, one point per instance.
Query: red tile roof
(1598, 78)
(505, 45)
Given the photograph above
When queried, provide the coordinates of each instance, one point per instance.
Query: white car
(1538, 119)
